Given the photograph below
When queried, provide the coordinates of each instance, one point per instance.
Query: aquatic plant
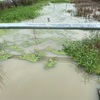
(30, 43)
(3, 46)
(5, 56)
(28, 57)
(50, 63)
(37, 56)
(15, 48)
(58, 52)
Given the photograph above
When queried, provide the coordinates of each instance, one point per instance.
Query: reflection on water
(29, 81)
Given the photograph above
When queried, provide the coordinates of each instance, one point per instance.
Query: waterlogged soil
(24, 80)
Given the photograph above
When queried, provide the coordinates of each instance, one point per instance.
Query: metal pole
(83, 26)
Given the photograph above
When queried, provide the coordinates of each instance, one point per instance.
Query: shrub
(86, 53)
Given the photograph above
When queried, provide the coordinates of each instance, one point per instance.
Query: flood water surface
(30, 81)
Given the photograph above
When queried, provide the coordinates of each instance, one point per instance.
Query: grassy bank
(20, 13)
(86, 53)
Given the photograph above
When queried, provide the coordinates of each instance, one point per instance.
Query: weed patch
(50, 63)
(37, 56)
(16, 48)
(5, 56)
(20, 13)
(86, 53)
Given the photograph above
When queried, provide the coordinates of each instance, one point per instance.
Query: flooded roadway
(23, 80)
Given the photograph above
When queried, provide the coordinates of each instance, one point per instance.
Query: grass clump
(86, 53)
(5, 56)
(20, 13)
(37, 56)
(28, 57)
(23, 12)
(50, 63)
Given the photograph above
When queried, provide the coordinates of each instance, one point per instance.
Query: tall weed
(86, 53)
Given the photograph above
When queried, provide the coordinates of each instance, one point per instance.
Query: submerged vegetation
(86, 53)
(57, 52)
(5, 56)
(50, 63)
(34, 57)
(15, 48)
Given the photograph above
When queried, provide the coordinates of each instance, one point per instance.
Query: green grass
(86, 53)
(20, 13)
(29, 57)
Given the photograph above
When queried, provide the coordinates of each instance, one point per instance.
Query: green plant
(16, 48)
(37, 56)
(19, 13)
(86, 53)
(28, 57)
(50, 63)
(5, 56)
(58, 52)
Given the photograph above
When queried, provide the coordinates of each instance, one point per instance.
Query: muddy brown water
(29, 81)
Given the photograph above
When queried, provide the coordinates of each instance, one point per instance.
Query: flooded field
(24, 77)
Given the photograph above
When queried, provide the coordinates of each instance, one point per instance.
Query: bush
(86, 53)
